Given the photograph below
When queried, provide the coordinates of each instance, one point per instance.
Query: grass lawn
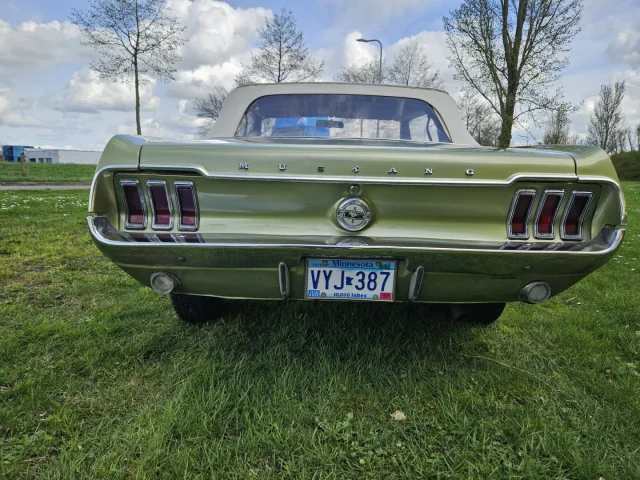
(42, 172)
(99, 379)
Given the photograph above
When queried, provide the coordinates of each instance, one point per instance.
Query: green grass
(42, 172)
(98, 379)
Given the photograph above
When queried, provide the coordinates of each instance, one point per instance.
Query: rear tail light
(134, 206)
(520, 214)
(547, 213)
(574, 215)
(161, 211)
(187, 206)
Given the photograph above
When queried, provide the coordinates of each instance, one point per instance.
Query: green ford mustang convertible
(326, 191)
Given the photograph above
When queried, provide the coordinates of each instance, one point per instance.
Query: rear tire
(196, 308)
(478, 313)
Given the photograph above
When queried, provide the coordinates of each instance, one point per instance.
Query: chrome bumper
(248, 266)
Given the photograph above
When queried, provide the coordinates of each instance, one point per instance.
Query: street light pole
(379, 43)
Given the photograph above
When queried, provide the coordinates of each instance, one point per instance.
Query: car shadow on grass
(312, 332)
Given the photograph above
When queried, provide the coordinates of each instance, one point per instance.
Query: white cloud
(219, 40)
(359, 53)
(36, 46)
(87, 93)
(154, 129)
(15, 111)
(199, 81)
(626, 47)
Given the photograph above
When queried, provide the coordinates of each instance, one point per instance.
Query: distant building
(11, 153)
(38, 155)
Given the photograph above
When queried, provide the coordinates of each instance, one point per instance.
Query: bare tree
(557, 131)
(135, 38)
(606, 120)
(367, 73)
(411, 68)
(282, 54)
(512, 52)
(209, 107)
(481, 121)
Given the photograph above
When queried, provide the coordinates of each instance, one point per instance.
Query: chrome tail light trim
(520, 193)
(182, 227)
(127, 224)
(575, 194)
(160, 183)
(552, 234)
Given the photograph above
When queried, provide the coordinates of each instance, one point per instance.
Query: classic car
(328, 191)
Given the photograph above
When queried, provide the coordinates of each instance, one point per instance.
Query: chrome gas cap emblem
(353, 214)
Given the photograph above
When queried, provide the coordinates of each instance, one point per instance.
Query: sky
(49, 97)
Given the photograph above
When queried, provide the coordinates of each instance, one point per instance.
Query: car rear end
(262, 218)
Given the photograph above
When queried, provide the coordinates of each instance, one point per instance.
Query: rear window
(342, 116)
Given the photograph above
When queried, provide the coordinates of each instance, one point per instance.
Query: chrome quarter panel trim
(519, 193)
(160, 183)
(616, 186)
(98, 174)
(546, 193)
(367, 180)
(181, 227)
(583, 215)
(133, 226)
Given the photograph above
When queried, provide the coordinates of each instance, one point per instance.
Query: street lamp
(379, 43)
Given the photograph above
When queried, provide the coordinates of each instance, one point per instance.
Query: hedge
(627, 165)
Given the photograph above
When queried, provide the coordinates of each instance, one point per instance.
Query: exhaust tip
(164, 283)
(535, 292)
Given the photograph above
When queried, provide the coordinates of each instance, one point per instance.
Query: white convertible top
(239, 100)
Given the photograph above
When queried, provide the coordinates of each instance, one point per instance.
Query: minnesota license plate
(332, 279)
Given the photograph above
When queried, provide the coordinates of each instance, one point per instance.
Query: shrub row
(627, 165)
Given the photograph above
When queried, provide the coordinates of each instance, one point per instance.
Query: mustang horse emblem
(353, 214)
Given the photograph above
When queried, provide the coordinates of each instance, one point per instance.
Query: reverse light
(520, 213)
(134, 206)
(545, 220)
(163, 282)
(187, 206)
(574, 215)
(161, 211)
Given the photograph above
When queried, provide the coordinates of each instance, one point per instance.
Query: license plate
(340, 279)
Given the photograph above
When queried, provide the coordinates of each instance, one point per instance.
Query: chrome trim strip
(181, 227)
(162, 183)
(127, 224)
(283, 277)
(616, 186)
(99, 172)
(521, 192)
(608, 237)
(583, 215)
(367, 180)
(416, 283)
(546, 193)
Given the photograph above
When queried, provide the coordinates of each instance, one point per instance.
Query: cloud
(36, 46)
(16, 111)
(219, 40)
(359, 53)
(87, 93)
(626, 47)
(155, 129)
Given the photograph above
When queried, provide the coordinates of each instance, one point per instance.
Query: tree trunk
(137, 87)
(507, 121)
